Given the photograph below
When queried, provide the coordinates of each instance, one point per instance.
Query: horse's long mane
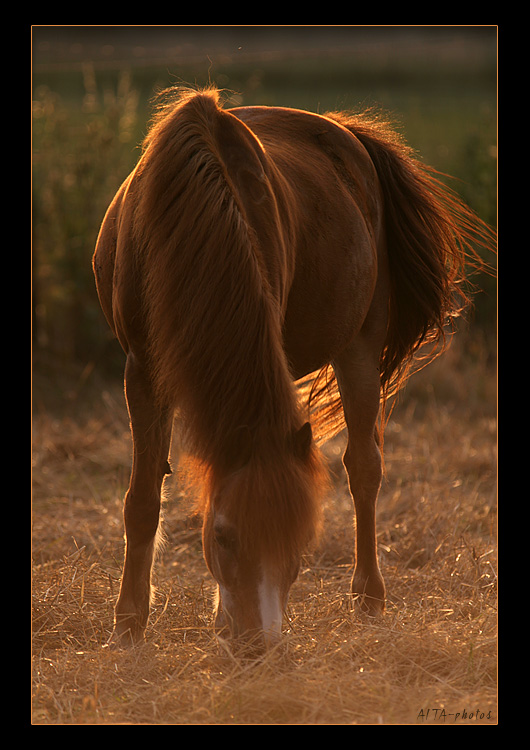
(214, 328)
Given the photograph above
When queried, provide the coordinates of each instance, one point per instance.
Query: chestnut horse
(254, 256)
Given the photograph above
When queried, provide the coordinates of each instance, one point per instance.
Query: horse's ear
(239, 448)
(301, 441)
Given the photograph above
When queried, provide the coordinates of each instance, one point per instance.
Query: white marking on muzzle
(271, 609)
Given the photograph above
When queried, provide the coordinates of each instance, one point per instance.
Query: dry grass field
(431, 659)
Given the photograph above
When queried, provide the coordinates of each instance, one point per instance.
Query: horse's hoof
(125, 638)
(367, 605)
(369, 599)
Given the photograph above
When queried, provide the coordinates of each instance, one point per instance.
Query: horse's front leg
(151, 434)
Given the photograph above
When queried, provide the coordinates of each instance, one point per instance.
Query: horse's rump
(432, 239)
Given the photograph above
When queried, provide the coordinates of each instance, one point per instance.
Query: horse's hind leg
(358, 378)
(151, 434)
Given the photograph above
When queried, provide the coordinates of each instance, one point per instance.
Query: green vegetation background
(92, 88)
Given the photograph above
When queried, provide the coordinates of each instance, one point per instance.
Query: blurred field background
(436, 646)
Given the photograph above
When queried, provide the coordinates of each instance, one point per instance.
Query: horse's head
(257, 522)
(252, 589)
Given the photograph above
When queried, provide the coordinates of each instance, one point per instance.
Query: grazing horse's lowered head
(257, 522)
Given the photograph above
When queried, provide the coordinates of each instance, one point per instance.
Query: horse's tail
(209, 311)
(432, 240)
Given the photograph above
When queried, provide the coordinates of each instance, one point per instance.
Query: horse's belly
(327, 306)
